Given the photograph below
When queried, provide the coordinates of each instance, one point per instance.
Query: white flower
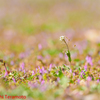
(62, 38)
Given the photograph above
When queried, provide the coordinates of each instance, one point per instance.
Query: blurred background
(25, 24)
(35, 16)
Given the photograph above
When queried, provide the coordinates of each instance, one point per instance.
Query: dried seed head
(62, 38)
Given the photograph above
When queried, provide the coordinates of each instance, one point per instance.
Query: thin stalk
(68, 53)
(6, 72)
(66, 44)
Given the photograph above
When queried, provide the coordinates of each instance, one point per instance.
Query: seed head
(62, 38)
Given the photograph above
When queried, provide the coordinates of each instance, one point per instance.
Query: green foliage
(69, 56)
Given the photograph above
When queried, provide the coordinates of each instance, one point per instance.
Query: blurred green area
(35, 16)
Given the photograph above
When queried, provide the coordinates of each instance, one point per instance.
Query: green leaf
(69, 56)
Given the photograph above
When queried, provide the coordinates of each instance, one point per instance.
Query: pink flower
(33, 73)
(50, 67)
(45, 71)
(14, 80)
(36, 70)
(85, 67)
(89, 78)
(41, 71)
(40, 78)
(98, 80)
(82, 73)
(39, 57)
(12, 62)
(73, 74)
(89, 60)
(21, 55)
(42, 82)
(78, 81)
(60, 55)
(6, 74)
(70, 71)
(40, 46)
(24, 71)
(38, 67)
(19, 69)
(22, 65)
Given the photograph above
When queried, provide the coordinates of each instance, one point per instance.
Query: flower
(33, 73)
(39, 46)
(70, 71)
(98, 80)
(85, 67)
(6, 73)
(78, 81)
(14, 80)
(41, 71)
(50, 67)
(60, 55)
(22, 65)
(42, 82)
(89, 60)
(89, 78)
(62, 38)
(12, 63)
(73, 74)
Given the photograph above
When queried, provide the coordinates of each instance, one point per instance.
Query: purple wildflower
(19, 69)
(58, 79)
(22, 65)
(99, 62)
(70, 71)
(40, 78)
(21, 55)
(41, 71)
(85, 67)
(45, 71)
(89, 78)
(40, 46)
(83, 72)
(61, 55)
(89, 60)
(73, 74)
(98, 80)
(24, 71)
(38, 67)
(39, 57)
(66, 57)
(50, 67)
(6, 73)
(36, 70)
(42, 82)
(14, 80)
(81, 75)
(12, 63)
(78, 81)
(33, 73)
